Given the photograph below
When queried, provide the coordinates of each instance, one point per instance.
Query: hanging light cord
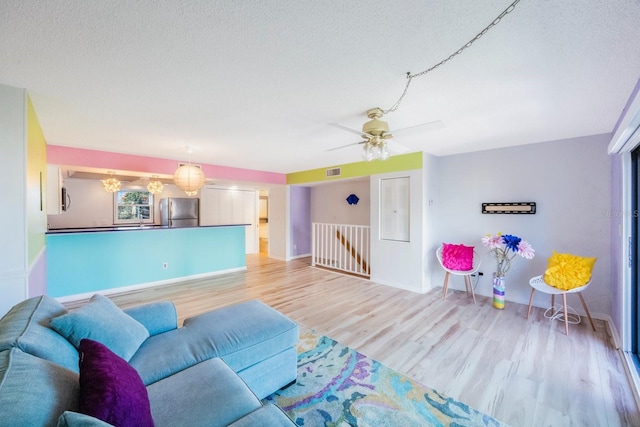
(410, 76)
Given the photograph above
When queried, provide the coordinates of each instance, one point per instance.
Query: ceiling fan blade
(438, 124)
(347, 128)
(345, 146)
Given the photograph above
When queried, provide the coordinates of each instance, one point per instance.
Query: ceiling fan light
(384, 153)
(367, 152)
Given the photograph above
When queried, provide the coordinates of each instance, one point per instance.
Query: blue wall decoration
(353, 199)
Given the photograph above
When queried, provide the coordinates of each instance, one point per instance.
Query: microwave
(65, 200)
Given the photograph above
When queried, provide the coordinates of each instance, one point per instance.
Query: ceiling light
(188, 177)
(375, 149)
(155, 186)
(111, 184)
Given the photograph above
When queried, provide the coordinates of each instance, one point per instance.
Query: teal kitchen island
(81, 262)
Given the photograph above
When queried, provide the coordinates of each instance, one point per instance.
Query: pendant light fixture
(155, 186)
(111, 184)
(188, 177)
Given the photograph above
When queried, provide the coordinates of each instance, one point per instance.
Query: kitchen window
(133, 207)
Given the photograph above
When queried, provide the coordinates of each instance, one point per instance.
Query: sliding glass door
(633, 256)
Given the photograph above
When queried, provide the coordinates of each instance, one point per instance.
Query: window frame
(136, 220)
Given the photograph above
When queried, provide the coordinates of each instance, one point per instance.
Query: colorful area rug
(338, 386)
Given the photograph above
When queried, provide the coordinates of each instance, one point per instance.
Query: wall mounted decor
(353, 199)
(509, 208)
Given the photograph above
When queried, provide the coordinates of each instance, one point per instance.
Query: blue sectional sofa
(212, 371)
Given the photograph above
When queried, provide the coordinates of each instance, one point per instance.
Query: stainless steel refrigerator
(179, 212)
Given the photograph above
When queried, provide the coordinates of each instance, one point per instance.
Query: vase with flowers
(503, 248)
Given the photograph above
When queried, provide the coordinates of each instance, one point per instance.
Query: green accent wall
(36, 184)
(397, 163)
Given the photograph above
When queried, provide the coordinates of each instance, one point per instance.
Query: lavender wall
(570, 180)
(300, 220)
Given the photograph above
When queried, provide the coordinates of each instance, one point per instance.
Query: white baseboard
(112, 291)
(627, 361)
(300, 256)
(289, 258)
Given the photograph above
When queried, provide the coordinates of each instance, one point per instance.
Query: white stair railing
(342, 247)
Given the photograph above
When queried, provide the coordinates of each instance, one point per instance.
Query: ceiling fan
(377, 136)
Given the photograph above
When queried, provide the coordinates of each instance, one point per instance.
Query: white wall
(279, 235)
(13, 215)
(394, 263)
(430, 219)
(329, 204)
(570, 182)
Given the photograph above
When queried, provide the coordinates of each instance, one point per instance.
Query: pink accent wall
(69, 156)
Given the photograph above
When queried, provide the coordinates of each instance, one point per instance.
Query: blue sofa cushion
(241, 340)
(75, 419)
(26, 326)
(110, 389)
(268, 415)
(207, 394)
(103, 321)
(157, 317)
(271, 373)
(34, 391)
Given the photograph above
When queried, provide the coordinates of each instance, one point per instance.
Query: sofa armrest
(157, 317)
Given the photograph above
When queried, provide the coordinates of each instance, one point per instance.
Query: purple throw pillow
(110, 389)
(457, 257)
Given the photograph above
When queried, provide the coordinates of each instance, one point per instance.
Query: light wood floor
(523, 372)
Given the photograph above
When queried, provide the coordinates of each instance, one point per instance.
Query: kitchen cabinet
(54, 190)
(226, 206)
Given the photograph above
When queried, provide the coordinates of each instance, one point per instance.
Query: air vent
(333, 172)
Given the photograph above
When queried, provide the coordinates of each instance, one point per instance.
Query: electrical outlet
(165, 265)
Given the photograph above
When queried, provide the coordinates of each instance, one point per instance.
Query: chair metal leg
(445, 285)
(533, 290)
(584, 304)
(566, 318)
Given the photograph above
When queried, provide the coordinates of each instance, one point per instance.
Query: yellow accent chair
(565, 274)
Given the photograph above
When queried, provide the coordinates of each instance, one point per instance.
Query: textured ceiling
(255, 84)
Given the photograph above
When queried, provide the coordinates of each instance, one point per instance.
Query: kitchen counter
(130, 228)
(84, 261)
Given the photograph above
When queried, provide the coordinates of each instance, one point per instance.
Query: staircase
(341, 247)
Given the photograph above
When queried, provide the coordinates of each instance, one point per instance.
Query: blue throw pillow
(110, 389)
(101, 320)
